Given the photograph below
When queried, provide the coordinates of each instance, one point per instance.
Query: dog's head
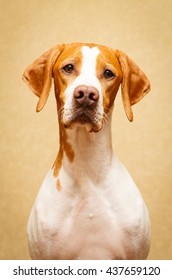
(87, 78)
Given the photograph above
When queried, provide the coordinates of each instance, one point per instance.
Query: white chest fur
(107, 220)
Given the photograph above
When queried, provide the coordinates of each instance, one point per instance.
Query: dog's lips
(84, 117)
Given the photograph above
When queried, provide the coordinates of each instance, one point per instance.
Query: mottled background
(29, 141)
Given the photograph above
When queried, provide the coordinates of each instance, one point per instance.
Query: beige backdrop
(29, 141)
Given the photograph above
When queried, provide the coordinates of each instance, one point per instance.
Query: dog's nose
(86, 95)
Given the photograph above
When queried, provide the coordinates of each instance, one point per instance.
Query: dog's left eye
(68, 68)
(108, 74)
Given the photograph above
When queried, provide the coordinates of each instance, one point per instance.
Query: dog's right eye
(108, 74)
(68, 68)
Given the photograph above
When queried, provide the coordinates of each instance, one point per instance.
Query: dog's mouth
(83, 117)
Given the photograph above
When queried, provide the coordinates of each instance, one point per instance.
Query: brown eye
(108, 74)
(68, 68)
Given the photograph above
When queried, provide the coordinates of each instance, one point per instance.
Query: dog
(88, 206)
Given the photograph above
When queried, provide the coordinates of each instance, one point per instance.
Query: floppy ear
(135, 84)
(38, 75)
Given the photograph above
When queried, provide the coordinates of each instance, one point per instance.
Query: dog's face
(87, 78)
(86, 81)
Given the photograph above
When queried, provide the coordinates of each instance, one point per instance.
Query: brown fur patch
(58, 185)
(66, 147)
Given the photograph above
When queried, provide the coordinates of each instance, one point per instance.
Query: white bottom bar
(20, 269)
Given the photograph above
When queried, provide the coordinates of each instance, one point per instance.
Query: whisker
(106, 118)
(60, 111)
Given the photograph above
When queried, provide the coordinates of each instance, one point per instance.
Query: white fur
(99, 213)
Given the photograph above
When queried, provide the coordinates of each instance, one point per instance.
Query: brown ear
(135, 84)
(38, 75)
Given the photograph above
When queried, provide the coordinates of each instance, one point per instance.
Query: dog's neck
(85, 153)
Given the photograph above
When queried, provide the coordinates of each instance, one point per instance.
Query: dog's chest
(88, 223)
(79, 225)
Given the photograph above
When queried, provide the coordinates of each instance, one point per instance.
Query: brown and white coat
(88, 206)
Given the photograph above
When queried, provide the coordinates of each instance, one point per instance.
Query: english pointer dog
(88, 206)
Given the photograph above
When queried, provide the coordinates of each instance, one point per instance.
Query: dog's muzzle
(85, 108)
